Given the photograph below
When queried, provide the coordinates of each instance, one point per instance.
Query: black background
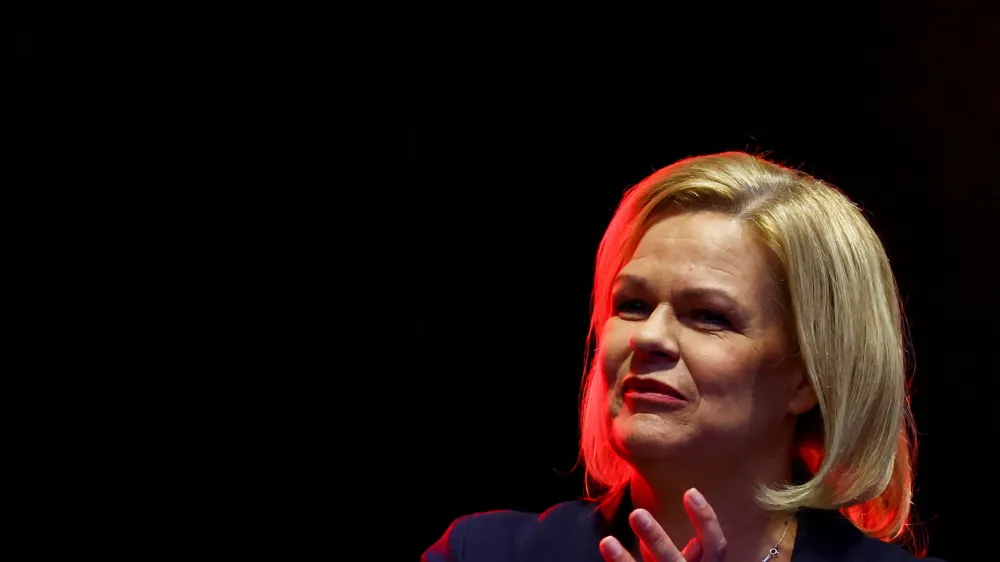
(345, 258)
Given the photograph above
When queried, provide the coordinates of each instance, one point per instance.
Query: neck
(749, 529)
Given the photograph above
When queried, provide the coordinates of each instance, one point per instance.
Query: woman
(748, 400)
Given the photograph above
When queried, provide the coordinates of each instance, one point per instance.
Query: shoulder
(496, 536)
(876, 550)
(825, 535)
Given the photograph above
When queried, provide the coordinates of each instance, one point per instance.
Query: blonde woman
(748, 397)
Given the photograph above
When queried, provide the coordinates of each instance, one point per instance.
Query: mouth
(636, 387)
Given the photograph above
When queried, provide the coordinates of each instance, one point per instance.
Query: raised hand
(709, 546)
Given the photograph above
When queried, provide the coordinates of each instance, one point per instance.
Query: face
(697, 351)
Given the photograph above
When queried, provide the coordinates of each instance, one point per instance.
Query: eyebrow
(644, 284)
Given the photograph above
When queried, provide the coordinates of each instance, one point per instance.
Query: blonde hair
(856, 447)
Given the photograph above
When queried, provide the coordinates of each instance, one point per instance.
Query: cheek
(724, 373)
(615, 349)
(613, 356)
(739, 387)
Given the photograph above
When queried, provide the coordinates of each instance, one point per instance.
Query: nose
(655, 337)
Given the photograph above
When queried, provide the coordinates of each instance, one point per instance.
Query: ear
(803, 397)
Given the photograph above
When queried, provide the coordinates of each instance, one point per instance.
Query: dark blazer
(571, 531)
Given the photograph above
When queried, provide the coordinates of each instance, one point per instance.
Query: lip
(650, 385)
(632, 398)
(652, 391)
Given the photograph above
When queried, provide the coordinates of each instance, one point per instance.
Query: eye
(632, 309)
(711, 319)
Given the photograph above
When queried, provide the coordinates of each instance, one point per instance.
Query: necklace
(774, 552)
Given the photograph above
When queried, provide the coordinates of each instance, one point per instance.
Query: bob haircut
(853, 451)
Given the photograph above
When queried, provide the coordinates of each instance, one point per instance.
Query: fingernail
(612, 548)
(697, 499)
(644, 518)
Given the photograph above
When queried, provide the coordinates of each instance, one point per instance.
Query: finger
(612, 551)
(653, 537)
(692, 552)
(706, 524)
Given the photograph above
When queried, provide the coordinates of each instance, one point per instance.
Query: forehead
(701, 245)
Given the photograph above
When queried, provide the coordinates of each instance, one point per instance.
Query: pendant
(773, 553)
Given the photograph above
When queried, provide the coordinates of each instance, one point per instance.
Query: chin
(645, 435)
